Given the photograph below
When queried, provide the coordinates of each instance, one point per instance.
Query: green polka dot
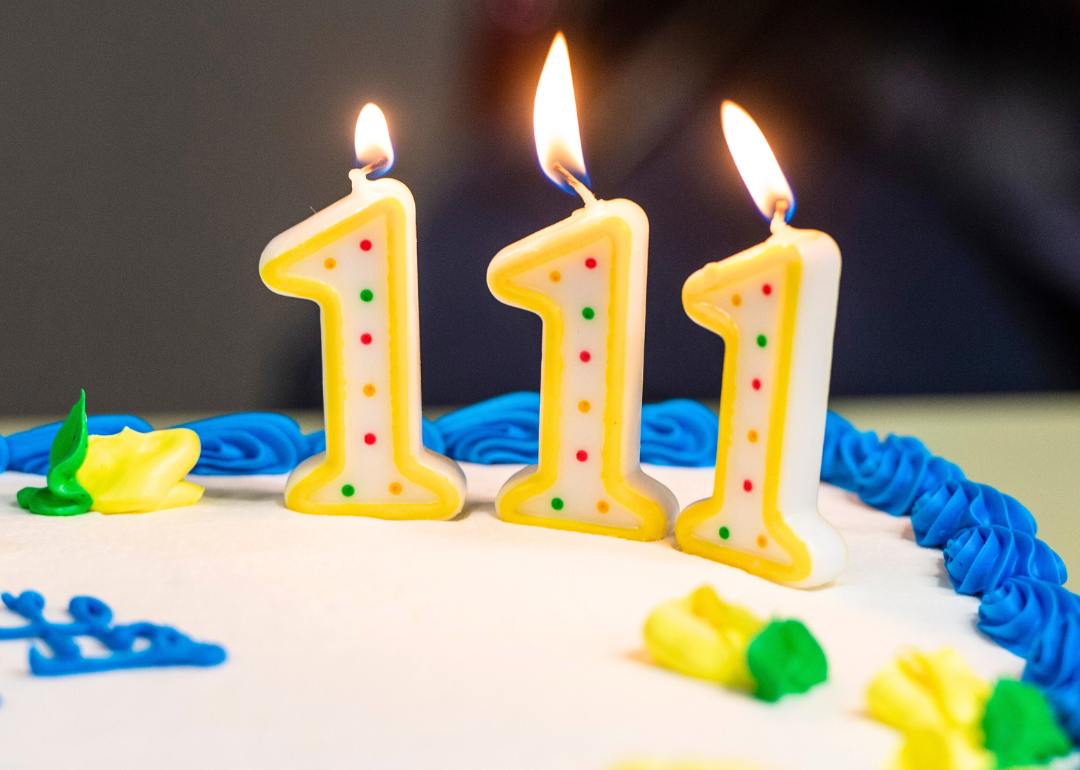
(367, 296)
(588, 313)
(761, 340)
(557, 503)
(348, 490)
(725, 533)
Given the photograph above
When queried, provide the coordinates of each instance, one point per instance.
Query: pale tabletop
(1027, 446)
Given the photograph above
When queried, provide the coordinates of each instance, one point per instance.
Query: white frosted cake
(469, 643)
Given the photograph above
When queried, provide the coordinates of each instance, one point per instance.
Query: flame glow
(756, 163)
(555, 121)
(373, 140)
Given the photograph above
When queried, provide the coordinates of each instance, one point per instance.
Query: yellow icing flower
(132, 472)
(704, 637)
(938, 702)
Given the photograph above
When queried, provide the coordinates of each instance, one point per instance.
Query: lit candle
(357, 260)
(775, 307)
(585, 277)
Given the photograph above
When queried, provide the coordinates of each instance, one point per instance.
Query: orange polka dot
(736, 300)
(762, 541)
(395, 488)
(751, 436)
(369, 390)
(584, 406)
(330, 263)
(556, 276)
(602, 506)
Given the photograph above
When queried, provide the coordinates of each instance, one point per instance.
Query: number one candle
(585, 277)
(775, 307)
(357, 259)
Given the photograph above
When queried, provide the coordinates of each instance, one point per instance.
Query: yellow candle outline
(333, 336)
(617, 232)
(709, 279)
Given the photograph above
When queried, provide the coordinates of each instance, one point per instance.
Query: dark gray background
(151, 149)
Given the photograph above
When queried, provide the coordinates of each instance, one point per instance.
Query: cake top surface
(464, 644)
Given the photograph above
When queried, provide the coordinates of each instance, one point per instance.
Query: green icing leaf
(785, 658)
(1020, 727)
(63, 496)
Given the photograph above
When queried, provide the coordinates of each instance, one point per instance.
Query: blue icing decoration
(938, 516)
(249, 443)
(679, 432)
(980, 558)
(1054, 660)
(5, 454)
(29, 450)
(844, 451)
(504, 429)
(429, 435)
(1020, 608)
(1066, 703)
(165, 646)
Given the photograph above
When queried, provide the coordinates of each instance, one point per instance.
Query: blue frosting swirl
(249, 443)
(28, 451)
(890, 475)
(1054, 659)
(1014, 613)
(679, 432)
(504, 429)
(980, 558)
(939, 515)
(1065, 701)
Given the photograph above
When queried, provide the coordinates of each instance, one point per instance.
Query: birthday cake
(475, 643)
(688, 590)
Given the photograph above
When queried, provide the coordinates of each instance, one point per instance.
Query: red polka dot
(756, 383)
(582, 455)
(590, 263)
(365, 245)
(766, 290)
(585, 356)
(365, 339)
(747, 485)
(369, 438)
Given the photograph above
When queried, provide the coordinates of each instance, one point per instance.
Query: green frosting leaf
(63, 496)
(785, 657)
(1020, 727)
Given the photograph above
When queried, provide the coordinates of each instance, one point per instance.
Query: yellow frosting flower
(938, 702)
(133, 472)
(704, 637)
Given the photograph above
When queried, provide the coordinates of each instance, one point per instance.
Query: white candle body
(586, 276)
(775, 305)
(363, 250)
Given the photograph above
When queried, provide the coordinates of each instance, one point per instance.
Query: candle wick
(573, 181)
(374, 165)
(779, 218)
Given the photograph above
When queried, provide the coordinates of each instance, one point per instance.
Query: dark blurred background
(150, 149)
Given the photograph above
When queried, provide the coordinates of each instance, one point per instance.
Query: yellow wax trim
(695, 292)
(704, 637)
(615, 232)
(275, 274)
(936, 691)
(133, 472)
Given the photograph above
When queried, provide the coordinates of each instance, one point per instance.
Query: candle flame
(756, 163)
(555, 120)
(373, 141)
